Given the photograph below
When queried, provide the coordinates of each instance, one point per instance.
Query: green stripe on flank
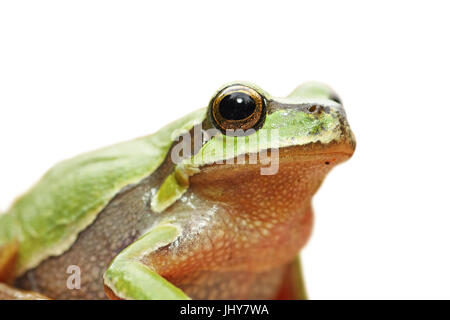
(47, 219)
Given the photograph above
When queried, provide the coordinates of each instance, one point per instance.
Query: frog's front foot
(129, 278)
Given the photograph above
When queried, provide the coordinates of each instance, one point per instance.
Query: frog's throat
(260, 213)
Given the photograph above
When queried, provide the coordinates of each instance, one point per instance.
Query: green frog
(216, 205)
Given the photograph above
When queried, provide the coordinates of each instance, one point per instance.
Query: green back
(47, 219)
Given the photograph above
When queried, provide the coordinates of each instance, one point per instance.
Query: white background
(79, 75)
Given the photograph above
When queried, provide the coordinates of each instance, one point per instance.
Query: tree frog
(216, 205)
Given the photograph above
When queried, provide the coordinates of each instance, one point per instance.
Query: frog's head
(249, 129)
(271, 146)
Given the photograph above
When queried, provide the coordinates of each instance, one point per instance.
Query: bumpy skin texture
(118, 225)
(255, 228)
(237, 238)
(121, 222)
(240, 231)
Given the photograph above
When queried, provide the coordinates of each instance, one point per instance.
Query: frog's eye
(238, 108)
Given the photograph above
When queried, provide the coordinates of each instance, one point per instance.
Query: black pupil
(237, 106)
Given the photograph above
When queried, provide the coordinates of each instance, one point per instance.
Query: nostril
(312, 109)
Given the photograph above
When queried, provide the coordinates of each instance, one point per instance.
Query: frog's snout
(346, 137)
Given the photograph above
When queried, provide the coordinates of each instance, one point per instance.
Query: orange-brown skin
(8, 258)
(261, 223)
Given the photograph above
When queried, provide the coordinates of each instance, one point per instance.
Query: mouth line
(306, 153)
(316, 148)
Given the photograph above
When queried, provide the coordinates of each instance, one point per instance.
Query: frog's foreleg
(293, 286)
(128, 277)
